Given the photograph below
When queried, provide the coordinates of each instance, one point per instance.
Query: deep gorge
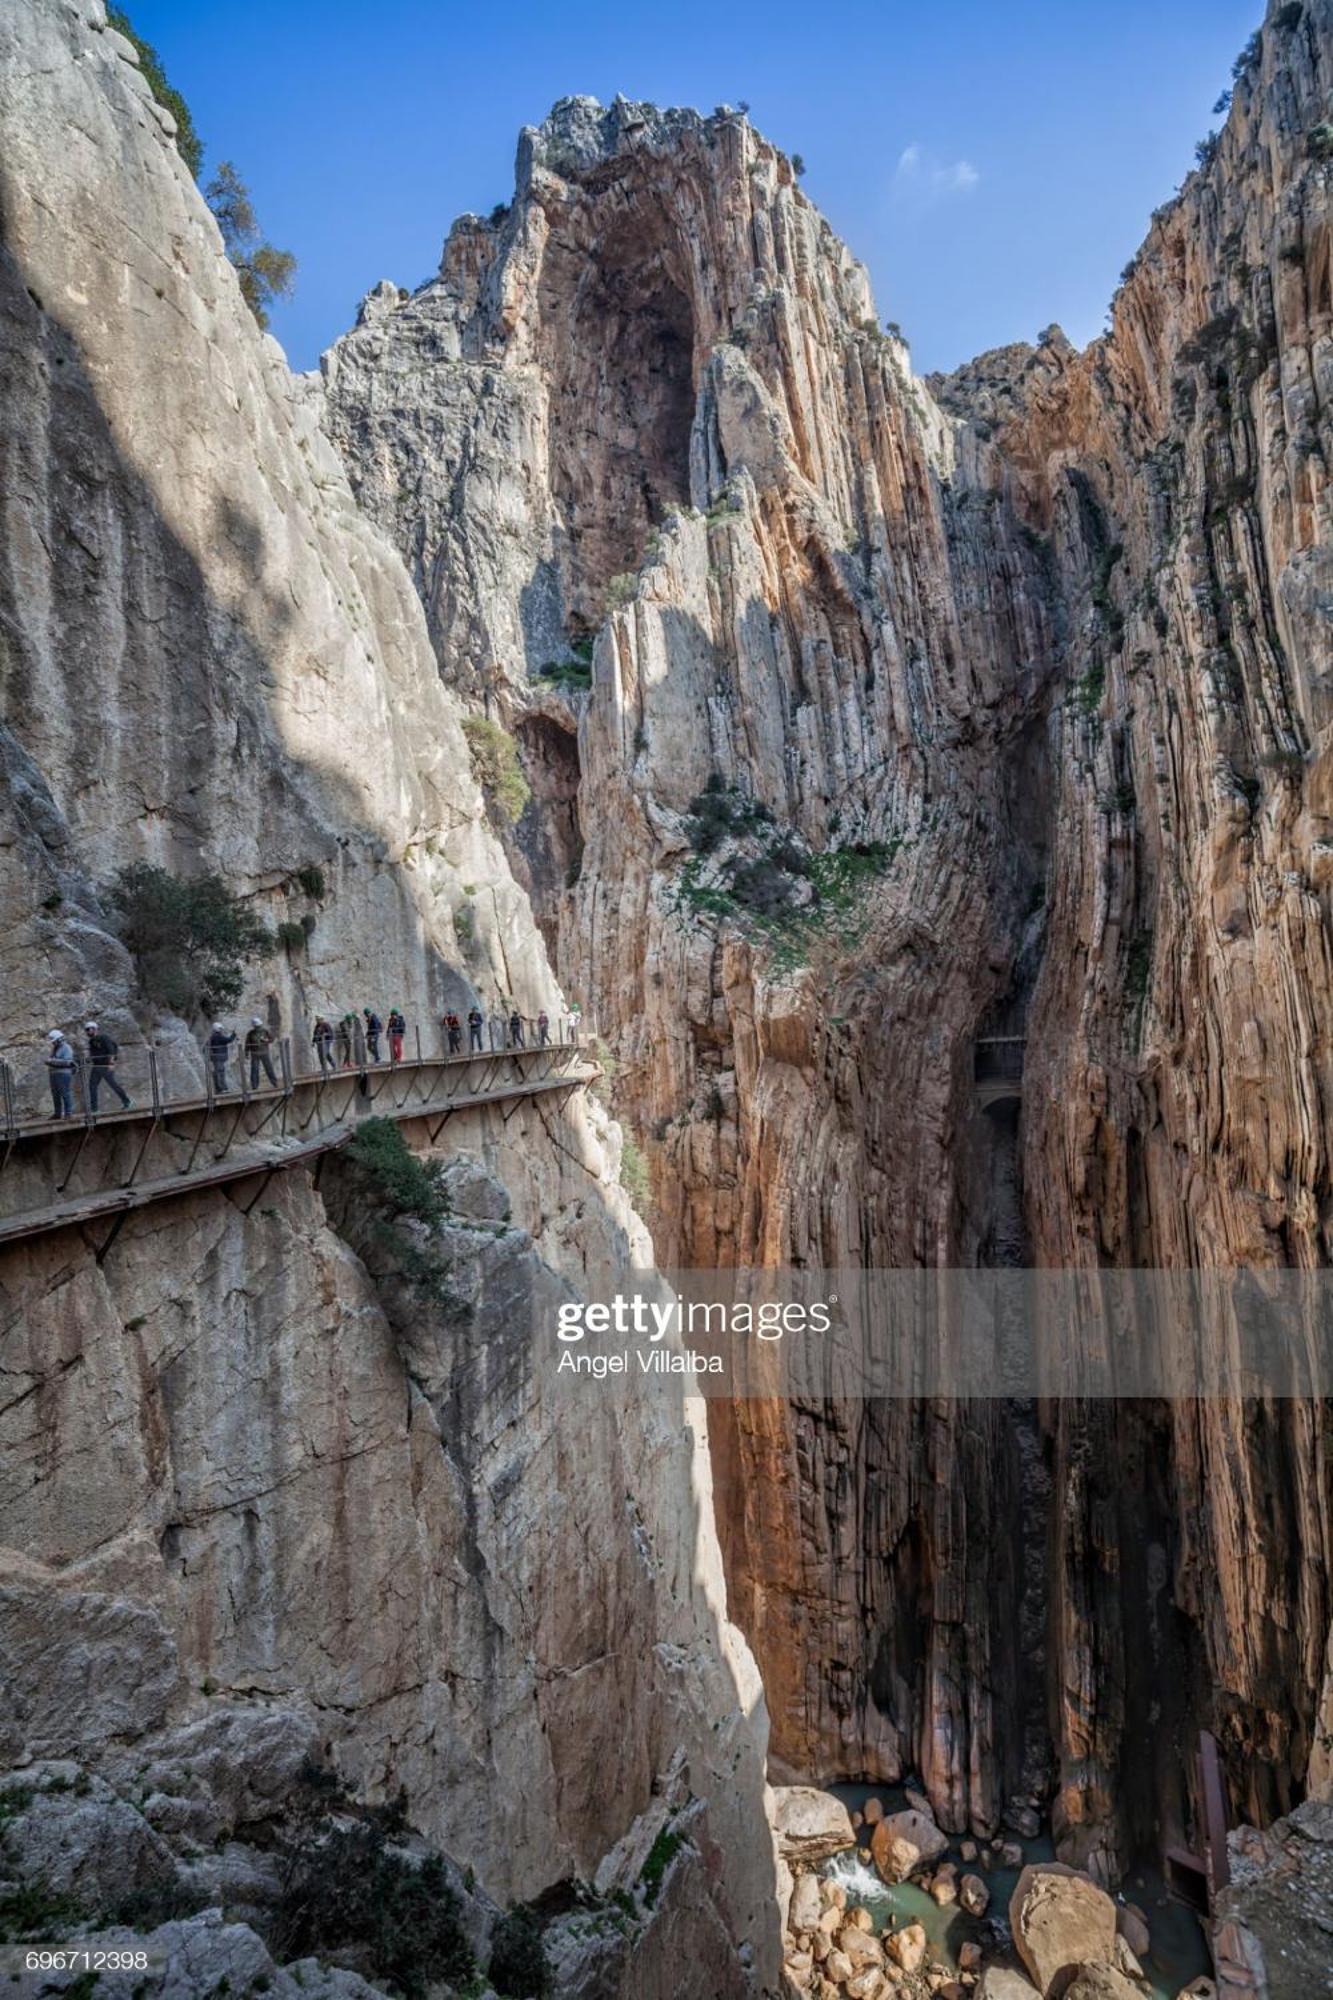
(930, 805)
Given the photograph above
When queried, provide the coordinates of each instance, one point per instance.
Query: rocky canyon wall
(893, 712)
(264, 1500)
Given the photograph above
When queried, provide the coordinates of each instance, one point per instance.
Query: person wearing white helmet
(60, 1061)
(102, 1053)
(258, 1041)
(219, 1050)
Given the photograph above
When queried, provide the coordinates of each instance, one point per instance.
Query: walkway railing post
(11, 1120)
(154, 1084)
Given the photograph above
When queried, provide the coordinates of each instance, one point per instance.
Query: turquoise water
(1178, 1954)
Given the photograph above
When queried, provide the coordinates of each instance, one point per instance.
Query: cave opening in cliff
(622, 400)
(551, 840)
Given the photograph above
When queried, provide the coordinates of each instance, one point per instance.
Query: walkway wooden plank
(276, 1157)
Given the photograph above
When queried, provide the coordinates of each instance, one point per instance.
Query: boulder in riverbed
(1061, 1921)
(1001, 1982)
(1102, 1982)
(907, 1947)
(904, 1842)
(806, 1904)
(810, 1825)
(974, 1895)
(1133, 1928)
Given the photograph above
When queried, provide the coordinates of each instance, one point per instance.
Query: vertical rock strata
(1036, 658)
(246, 1485)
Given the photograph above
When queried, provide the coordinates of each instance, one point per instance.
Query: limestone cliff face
(1176, 1100)
(250, 1476)
(1034, 660)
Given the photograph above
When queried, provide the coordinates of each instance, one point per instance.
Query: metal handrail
(242, 1095)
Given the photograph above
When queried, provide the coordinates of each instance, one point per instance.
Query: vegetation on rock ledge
(496, 762)
(190, 940)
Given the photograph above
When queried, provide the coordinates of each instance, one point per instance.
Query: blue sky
(994, 162)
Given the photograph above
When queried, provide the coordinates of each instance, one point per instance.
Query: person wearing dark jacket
(345, 1041)
(397, 1029)
(453, 1028)
(516, 1030)
(476, 1021)
(258, 1042)
(544, 1029)
(374, 1029)
(102, 1053)
(323, 1040)
(219, 1048)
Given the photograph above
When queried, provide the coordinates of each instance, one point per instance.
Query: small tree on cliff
(266, 274)
(188, 143)
(190, 940)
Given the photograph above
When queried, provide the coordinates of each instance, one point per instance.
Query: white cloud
(926, 177)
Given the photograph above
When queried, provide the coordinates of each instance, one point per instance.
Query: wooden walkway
(260, 1133)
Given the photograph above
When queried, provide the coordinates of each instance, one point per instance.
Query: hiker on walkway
(516, 1030)
(322, 1037)
(453, 1028)
(219, 1047)
(345, 1041)
(102, 1053)
(496, 1030)
(374, 1029)
(544, 1029)
(397, 1029)
(258, 1041)
(476, 1021)
(60, 1074)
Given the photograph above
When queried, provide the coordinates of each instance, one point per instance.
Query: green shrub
(310, 881)
(292, 935)
(495, 760)
(190, 940)
(1206, 150)
(634, 1172)
(350, 1888)
(465, 923)
(265, 274)
(32, 1911)
(164, 1901)
(660, 1856)
(719, 811)
(402, 1182)
(575, 674)
(1320, 142)
(797, 165)
(188, 143)
(620, 590)
(1088, 692)
(518, 1968)
(1249, 55)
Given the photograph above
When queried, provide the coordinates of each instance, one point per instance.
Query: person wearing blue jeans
(60, 1073)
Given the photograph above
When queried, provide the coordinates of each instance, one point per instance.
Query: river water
(1179, 1952)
